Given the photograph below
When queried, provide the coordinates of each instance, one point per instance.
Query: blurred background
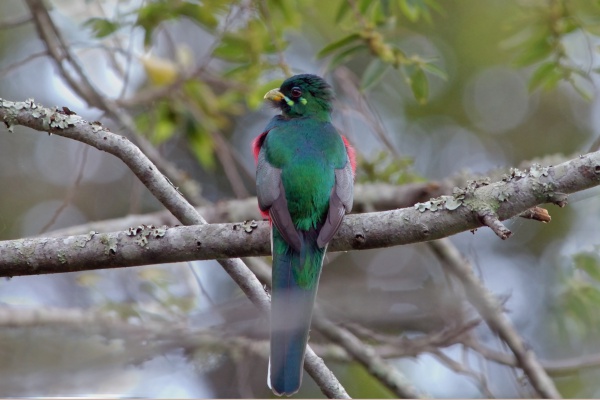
(427, 91)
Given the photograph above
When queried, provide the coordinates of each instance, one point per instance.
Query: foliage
(385, 168)
(581, 295)
(371, 21)
(250, 42)
(541, 32)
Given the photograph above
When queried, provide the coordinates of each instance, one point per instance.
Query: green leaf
(435, 70)
(589, 263)
(163, 131)
(534, 53)
(364, 5)
(332, 47)
(199, 13)
(232, 48)
(584, 91)
(342, 11)
(342, 56)
(411, 9)
(150, 16)
(592, 295)
(419, 86)
(101, 27)
(385, 7)
(576, 306)
(202, 146)
(546, 75)
(373, 73)
(287, 10)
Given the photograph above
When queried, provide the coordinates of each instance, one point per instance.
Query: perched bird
(304, 182)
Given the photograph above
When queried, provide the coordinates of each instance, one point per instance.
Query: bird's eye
(296, 92)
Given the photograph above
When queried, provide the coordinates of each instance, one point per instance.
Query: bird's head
(303, 95)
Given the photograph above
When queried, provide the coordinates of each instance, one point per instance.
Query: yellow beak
(274, 95)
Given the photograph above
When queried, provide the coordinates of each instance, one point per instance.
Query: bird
(304, 182)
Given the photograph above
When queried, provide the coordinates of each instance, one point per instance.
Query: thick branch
(219, 241)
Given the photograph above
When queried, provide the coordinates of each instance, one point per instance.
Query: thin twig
(15, 22)
(457, 367)
(70, 193)
(8, 69)
(491, 311)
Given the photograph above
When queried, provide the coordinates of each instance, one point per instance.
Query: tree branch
(435, 219)
(491, 311)
(368, 357)
(66, 124)
(367, 196)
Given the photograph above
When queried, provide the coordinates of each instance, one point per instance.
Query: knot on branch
(559, 199)
(490, 219)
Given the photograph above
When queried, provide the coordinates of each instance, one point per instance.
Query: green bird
(304, 182)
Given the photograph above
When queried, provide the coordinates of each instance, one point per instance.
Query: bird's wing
(271, 198)
(340, 203)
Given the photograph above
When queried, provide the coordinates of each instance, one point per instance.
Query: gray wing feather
(340, 203)
(268, 182)
(271, 197)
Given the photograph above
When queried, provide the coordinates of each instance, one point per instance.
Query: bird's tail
(295, 282)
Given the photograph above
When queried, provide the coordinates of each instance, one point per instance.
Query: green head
(303, 95)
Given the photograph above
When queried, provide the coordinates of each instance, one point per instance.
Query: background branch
(491, 311)
(74, 127)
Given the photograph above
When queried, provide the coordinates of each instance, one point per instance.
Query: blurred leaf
(592, 295)
(589, 263)
(546, 75)
(540, 50)
(575, 305)
(160, 71)
(232, 48)
(435, 70)
(419, 86)
(415, 9)
(101, 27)
(332, 47)
(364, 5)
(411, 9)
(202, 146)
(163, 131)
(584, 91)
(200, 13)
(342, 11)
(88, 278)
(286, 9)
(385, 7)
(569, 25)
(384, 167)
(373, 73)
(363, 385)
(151, 15)
(342, 56)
